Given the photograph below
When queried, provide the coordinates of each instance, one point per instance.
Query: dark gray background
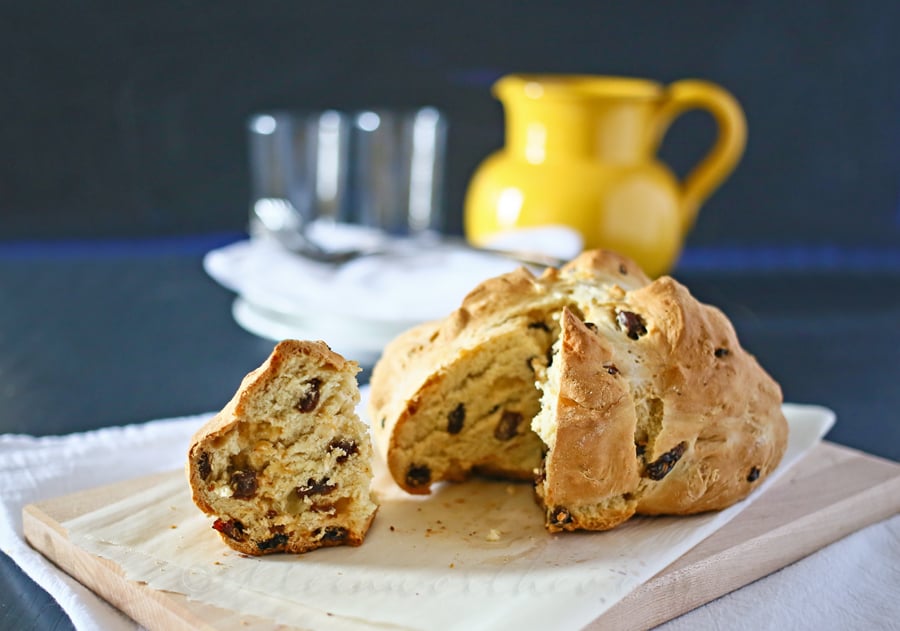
(124, 119)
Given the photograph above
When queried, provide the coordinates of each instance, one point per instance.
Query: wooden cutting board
(831, 493)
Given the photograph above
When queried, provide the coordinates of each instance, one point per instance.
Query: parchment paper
(469, 556)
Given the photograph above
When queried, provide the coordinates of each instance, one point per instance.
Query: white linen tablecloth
(852, 584)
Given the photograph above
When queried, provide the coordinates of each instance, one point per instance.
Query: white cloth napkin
(851, 584)
(419, 279)
(34, 469)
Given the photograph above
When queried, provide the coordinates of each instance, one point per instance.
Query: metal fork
(278, 219)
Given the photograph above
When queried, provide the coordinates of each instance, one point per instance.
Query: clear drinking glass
(298, 167)
(397, 170)
(377, 168)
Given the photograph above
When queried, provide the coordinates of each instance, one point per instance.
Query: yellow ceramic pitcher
(581, 151)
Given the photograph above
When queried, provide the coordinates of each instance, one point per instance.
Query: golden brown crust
(592, 458)
(261, 377)
(685, 420)
(294, 547)
(715, 397)
(604, 266)
(708, 429)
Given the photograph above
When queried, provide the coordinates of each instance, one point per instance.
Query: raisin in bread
(644, 401)
(286, 465)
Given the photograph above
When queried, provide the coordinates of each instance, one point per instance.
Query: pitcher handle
(699, 184)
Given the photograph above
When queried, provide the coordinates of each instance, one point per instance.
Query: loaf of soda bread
(618, 395)
(286, 465)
